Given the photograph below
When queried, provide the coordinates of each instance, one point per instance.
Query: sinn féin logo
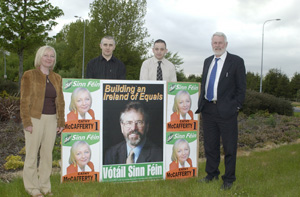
(170, 137)
(67, 138)
(68, 84)
(172, 87)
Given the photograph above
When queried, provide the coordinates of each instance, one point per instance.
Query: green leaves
(24, 25)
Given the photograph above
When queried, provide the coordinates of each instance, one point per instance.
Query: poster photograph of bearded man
(133, 123)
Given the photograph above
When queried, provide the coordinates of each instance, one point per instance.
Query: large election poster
(182, 131)
(80, 139)
(133, 125)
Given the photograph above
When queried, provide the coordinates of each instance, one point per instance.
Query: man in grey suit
(136, 148)
(223, 90)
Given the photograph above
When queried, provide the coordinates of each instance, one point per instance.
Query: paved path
(296, 109)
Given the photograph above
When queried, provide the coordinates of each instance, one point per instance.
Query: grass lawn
(268, 173)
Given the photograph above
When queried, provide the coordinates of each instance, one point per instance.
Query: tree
(283, 89)
(277, 84)
(24, 25)
(180, 75)
(177, 61)
(295, 86)
(194, 78)
(68, 46)
(253, 81)
(124, 20)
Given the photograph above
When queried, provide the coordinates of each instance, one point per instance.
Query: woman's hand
(29, 129)
(59, 130)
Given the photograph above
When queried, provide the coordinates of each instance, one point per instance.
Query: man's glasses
(129, 124)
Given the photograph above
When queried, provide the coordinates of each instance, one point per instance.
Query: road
(296, 109)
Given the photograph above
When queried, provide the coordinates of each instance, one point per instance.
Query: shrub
(255, 102)
(259, 129)
(13, 162)
(10, 108)
(56, 155)
(56, 164)
(10, 87)
(23, 151)
(271, 121)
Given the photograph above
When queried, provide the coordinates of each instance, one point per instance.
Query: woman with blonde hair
(180, 155)
(182, 106)
(42, 112)
(80, 105)
(80, 158)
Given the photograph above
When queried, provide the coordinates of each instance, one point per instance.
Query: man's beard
(219, 52)
(134, 141)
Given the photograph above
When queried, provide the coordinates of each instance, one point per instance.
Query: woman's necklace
(47, 78)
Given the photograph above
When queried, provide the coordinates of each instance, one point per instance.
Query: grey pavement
(296, 109)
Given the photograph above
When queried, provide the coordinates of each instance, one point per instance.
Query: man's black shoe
(207, 180)
(226, 185)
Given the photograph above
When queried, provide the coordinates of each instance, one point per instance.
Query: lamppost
(5, 53)
(83, 45)
(262, 52)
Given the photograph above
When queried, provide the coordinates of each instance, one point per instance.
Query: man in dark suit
(222, 95)
(136, 148)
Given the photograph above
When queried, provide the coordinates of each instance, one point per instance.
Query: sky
(187, 27)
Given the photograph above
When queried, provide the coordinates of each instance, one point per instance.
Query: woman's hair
(177, 97)
(39, 54)
(175, 148)
(74, 149)
(74, 96)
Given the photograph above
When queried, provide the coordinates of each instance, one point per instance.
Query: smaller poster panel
(181, 148)
(80, 139)
(181, 154)
(181, 106)
(80, 159)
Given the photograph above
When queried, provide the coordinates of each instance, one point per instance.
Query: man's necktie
(159, 72)
(211, 83)
(130, 158)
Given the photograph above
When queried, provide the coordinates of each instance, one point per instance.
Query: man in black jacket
(222, 95)
(106, 66)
